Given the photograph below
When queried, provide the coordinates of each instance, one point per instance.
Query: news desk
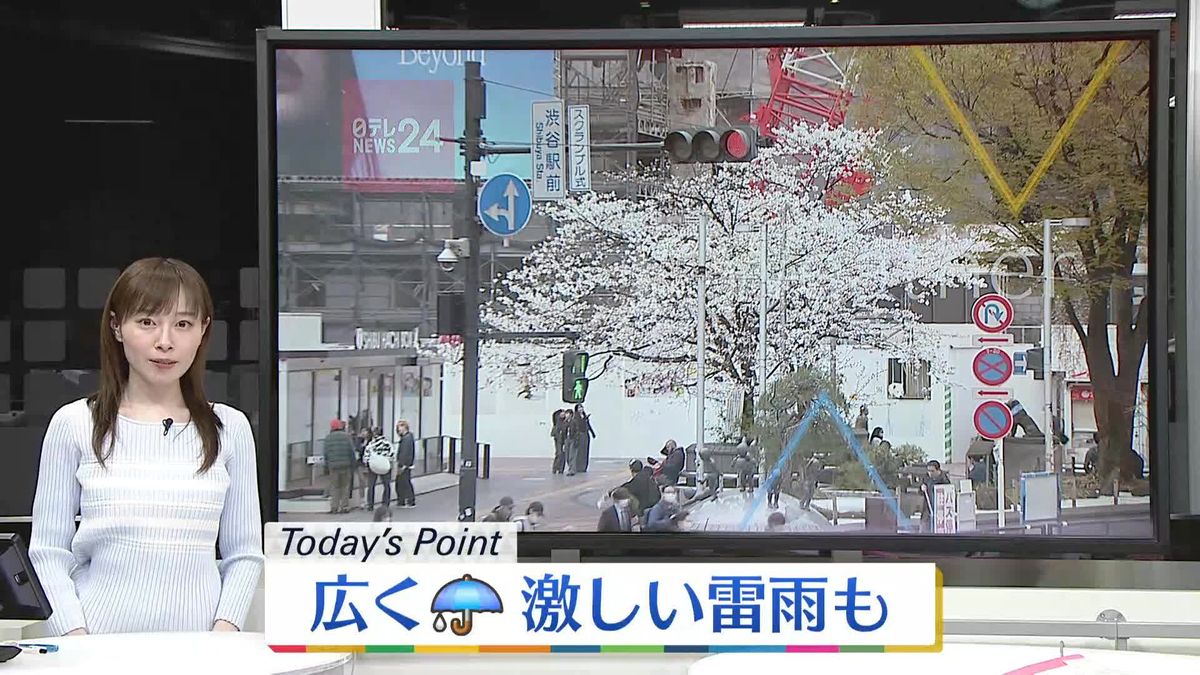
(172, 654)
(973, 659)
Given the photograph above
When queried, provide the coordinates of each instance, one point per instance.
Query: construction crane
(809, 86)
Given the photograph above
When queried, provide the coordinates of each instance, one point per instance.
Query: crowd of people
(571, 429)
(650, 500)
(358, 464)
(535, 515)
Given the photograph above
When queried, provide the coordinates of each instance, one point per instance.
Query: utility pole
(1048, 225)
(762, 344)
(701, 295)
(468, 226)
(1047, 338)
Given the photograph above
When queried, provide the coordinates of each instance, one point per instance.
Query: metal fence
(1109, 625)
(305, 465)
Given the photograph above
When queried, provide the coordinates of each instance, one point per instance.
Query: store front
(370, 386)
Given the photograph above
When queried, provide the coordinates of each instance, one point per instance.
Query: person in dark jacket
(502, 513)
(558, 431)
(619, 516)
(642, 487)
(744, 467)
(406, 457)
(667, 471)
(664, 516)
(583, 433)
(567, 433)
(934, 477)
(339, 459)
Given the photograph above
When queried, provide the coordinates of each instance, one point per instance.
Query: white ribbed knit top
(144, 556)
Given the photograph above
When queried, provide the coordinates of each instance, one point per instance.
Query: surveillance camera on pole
(711, 146)
(453, 251)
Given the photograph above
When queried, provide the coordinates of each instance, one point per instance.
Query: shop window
(908, 379)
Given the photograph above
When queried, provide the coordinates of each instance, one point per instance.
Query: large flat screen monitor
(737, 288)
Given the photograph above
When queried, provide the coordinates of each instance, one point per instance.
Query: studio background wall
(115, 153)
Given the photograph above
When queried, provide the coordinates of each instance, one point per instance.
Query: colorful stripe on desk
(596, 649)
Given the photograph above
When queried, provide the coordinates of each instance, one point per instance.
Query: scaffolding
(807, 85)
(626, 92)
(368, 259)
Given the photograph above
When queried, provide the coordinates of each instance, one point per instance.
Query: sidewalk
(422, 485)
(569, 501)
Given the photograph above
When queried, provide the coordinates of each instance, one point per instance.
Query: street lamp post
(762, 343)
(469, 228)
(701, 294)
(1048, 225)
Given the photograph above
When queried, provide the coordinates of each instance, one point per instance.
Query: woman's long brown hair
(150, 286)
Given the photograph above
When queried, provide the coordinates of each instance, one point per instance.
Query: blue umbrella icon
(465, 595)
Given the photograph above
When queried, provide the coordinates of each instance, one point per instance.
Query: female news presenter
(157, 473)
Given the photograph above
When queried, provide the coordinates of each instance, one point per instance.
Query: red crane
(809, 86)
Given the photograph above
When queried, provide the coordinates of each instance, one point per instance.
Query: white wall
(625, 427)
(922, 422)
(633, 427)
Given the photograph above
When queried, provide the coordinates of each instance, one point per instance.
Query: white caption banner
(323, 602)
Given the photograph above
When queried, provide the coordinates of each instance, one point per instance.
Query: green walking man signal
(575, 382)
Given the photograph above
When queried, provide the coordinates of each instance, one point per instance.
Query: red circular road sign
(992, 313)
(993, 420)
(992, 366)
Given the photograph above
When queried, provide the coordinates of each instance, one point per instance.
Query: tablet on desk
(21, 594)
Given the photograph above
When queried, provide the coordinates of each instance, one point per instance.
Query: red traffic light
(738, 145)
(711, 146)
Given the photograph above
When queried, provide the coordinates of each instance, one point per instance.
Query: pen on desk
(38, 648)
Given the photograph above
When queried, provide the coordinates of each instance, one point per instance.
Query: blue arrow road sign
(504, 205)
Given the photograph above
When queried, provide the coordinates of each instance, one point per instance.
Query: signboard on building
(370, 338)
(547, 151)
(579, 132)
(945, 509)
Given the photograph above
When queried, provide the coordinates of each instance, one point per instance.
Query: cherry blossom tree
(622, 270)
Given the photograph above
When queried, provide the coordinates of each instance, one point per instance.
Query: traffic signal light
(1035, 363)
(711, 146)
(475, 96)
(574, 380)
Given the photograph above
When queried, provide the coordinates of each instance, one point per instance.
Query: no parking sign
(992, 366)
(993, 420)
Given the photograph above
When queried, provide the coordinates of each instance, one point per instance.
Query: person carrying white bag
(380, 457)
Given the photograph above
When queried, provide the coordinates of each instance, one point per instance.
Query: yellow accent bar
(1089, 94)
(938, 619)
(445, 649)
(1017, 202)
(981, 153)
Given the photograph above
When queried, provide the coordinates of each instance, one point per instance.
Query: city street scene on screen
(895, 290)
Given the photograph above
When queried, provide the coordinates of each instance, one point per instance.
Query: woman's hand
(77, 631)
(223, 626)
